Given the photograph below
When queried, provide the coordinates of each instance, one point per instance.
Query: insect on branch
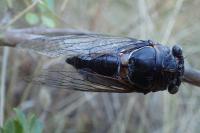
(12, 37)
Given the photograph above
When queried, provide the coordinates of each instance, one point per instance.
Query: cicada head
(173, 69)
(156, 67)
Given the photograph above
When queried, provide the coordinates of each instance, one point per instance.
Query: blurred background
(166, 21)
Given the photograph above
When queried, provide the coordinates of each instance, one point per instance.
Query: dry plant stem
(13, 37)
(3, 80)
(192, 76)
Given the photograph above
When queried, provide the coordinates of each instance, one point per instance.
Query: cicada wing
(75, 44)
(66, 77)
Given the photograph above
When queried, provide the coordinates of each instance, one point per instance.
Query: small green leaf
(22, 119)
(37, 127)
(30, 118)
(32, 18)
(18, 127)
(32, 121)
(22, 124)
(48, 21)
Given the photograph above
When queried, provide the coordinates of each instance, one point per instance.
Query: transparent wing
(75, 44)
(65, 77)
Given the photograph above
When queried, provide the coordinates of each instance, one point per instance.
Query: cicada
(103, 63)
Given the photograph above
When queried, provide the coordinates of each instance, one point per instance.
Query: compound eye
(172, 89)
(177, 51)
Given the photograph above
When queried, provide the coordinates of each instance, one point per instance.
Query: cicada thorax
(156, 67)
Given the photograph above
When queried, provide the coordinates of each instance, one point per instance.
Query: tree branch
(192, 76)
(12, 37)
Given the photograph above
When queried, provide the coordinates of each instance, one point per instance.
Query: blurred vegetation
(21, 124)
(167, 21)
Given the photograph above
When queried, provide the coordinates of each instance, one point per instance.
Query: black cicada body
(143, 66)
(110, 64)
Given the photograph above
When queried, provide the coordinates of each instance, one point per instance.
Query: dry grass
(166, 21)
